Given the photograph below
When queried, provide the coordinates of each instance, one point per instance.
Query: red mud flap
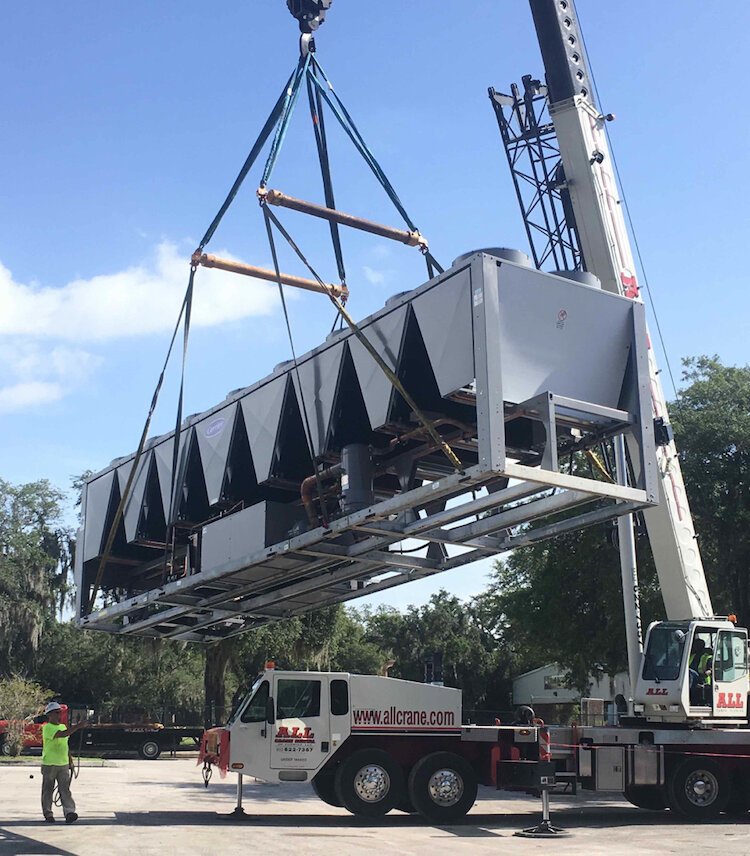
(214, 751)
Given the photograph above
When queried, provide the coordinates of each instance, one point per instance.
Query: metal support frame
(535, 164)
(485, 301)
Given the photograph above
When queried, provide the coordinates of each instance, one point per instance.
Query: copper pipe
(417, 432)
(209, 261)
(276, 197)
(308, 487)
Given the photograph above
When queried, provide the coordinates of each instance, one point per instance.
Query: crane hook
(309, 13)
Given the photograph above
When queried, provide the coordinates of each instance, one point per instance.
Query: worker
(701, 661)
(57, 763)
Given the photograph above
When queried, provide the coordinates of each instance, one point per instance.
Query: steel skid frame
(526, 329)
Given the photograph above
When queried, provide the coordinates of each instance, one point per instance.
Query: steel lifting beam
(209, 261)
(403, 236)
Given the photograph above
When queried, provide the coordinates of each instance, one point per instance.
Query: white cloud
(20, 396)
(139, 300)
(381, 251)
(33, 374)
(374, 277)
(39, 364)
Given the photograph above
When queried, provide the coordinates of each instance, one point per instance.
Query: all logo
(294, 735)
(730, 700)
(657, 691)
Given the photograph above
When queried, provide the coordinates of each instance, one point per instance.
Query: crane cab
(695, 672)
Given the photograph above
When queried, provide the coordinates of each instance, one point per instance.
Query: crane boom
(605, 246)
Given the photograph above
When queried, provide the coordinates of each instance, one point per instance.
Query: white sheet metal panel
(232, 540)
(163, 458)
(214, 436)
(262, 411)
(386, 334)
(134, 504)
(318, 378)
(561, 337)
(445, 321)
(98, 496)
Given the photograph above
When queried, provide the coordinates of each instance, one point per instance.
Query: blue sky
(125, 124)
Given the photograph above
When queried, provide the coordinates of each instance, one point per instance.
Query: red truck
(32, 732)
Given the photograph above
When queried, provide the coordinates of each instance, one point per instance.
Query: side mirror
(270, 711)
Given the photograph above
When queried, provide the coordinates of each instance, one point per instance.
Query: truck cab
(694, 672)
(288, 724)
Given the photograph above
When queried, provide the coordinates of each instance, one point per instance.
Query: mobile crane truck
(373, 744)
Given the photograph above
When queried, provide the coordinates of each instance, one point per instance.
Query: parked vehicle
(149, 739)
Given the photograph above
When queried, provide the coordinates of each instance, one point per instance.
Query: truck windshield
(663, 659)
(239, 705)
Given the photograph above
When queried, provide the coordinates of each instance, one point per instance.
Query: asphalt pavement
(161, 807)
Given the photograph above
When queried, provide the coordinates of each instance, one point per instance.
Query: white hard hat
(53, 705)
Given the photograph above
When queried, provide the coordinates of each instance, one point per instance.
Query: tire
(443, 787)
(650, 797)
(324, 786)
(4, 747)
(698, 789)
(149, 750)
(369, 783)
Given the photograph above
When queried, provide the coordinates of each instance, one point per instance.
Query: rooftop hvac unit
(516, 369)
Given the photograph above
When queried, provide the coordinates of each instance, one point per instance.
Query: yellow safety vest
(701, 666)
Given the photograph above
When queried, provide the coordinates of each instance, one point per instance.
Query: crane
(565, 179)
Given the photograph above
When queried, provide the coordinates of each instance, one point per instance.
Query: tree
(356, 652)
(218, 656)
(34, 564)
(118, 675)
(20, 699)
(711, 420)
(446, 626)
(312, 641)
(561, 601)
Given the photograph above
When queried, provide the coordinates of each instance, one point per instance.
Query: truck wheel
(698, 789)
(650, 797)
(150, 750)
(443, 787)
(4, 747)
(369, 783)
(325, 788)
